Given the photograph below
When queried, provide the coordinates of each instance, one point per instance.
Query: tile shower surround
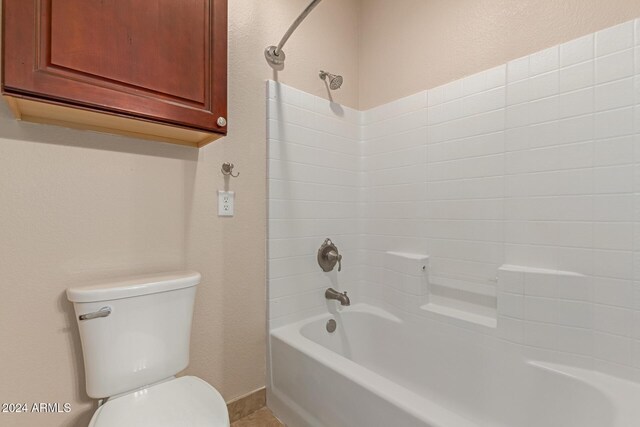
(523, 180)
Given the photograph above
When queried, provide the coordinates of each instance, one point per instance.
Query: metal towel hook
(227, 169)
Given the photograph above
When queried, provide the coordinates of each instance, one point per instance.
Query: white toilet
(135, 336)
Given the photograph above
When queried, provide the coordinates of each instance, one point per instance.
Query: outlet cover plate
(225, 203)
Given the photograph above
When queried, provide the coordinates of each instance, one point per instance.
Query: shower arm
(274, 54)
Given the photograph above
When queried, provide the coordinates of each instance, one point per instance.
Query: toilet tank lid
(132, 286)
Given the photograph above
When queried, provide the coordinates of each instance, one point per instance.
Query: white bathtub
(378, 370)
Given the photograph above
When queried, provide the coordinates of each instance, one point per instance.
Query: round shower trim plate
(272, 58)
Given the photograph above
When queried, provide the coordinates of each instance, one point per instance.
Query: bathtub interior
(478, 377)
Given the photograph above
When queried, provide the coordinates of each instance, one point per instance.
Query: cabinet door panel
(163, 60)
(148, 44)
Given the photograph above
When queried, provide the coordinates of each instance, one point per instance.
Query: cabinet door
(160, 60)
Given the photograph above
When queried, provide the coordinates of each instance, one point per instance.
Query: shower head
(335, 81)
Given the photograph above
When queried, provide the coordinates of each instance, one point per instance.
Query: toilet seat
(180, 402)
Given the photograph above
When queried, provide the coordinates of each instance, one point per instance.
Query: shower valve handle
(333, 256)
(328, 256)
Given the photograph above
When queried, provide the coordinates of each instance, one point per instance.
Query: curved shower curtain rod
(274, 54)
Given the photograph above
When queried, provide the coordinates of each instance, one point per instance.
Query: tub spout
(338, 296)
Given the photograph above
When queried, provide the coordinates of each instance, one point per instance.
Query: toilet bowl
(185, 401)
(135, 335)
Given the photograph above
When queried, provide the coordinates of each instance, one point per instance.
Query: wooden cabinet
(154, 69)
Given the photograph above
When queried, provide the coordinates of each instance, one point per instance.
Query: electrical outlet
(225, 203)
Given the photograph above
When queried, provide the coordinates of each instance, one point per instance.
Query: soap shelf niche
(465, 300)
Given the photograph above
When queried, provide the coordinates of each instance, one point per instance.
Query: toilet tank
(142, 333)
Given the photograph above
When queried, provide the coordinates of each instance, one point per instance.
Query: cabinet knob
(222, 121)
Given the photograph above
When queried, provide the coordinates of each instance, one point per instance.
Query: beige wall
(76, 206)
(412, 45)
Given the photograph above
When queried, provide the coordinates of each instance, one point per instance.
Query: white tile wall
(314, 181)
(394, 155)
(534, 163)
(548, 309)
(464, 179)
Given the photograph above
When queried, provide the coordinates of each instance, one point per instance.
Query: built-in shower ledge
(464, 315)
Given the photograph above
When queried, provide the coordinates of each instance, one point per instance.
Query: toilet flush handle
(103, 312)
